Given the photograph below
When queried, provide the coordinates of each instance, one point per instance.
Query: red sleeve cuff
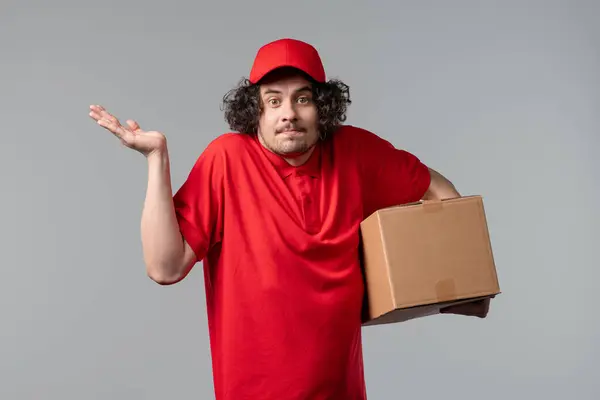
(192, 235)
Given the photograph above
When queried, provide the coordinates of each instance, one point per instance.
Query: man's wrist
(159, 156)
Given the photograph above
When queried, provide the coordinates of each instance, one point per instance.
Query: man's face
(288, 124)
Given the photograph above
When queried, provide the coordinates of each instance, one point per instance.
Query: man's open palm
(131, 135)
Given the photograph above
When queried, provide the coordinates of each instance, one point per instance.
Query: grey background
(501, 97)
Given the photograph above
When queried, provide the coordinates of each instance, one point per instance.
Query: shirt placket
(308, 198)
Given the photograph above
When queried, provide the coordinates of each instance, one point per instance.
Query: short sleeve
(199, 202)
(390, 176)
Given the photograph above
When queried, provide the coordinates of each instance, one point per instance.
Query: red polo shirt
(280, 248)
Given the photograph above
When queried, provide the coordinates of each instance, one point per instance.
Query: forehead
(284, 81)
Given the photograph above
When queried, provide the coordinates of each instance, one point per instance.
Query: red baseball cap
(287, 53)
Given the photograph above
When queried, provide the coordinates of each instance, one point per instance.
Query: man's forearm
(440, 187)
(162, 242)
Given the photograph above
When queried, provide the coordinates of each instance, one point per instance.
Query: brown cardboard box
(422, 256)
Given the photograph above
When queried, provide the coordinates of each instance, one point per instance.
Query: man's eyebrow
(275, 91)
(304, 89)
(270, 91)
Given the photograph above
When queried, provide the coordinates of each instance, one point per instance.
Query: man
(273, 210)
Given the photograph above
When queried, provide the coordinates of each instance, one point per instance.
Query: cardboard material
(420, 257)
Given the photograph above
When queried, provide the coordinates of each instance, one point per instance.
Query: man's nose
(289, 111)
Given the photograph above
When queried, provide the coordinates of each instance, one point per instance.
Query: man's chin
(292, 153)
(295, 151)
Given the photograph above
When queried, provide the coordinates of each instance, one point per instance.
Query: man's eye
(303, 100)
(273, 102)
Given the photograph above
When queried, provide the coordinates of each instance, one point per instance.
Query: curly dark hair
(242, 105)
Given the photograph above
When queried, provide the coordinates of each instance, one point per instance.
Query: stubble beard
(287, 147)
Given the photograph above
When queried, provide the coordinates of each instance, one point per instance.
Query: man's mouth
(292, 131)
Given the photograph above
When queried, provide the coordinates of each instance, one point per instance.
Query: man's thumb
(133, 125)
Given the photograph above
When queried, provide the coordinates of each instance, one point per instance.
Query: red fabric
(280, 248)
(287, 53)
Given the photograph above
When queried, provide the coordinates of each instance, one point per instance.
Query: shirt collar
(312, 167)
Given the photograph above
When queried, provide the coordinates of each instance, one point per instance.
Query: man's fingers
(95, 115)
(107, 120)
(102, 113)
(126, 134)
(110, 125)
(114, 127)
